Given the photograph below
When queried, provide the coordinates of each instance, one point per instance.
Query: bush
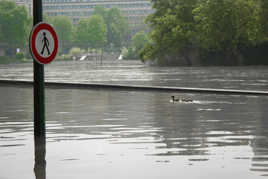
(19, 56)
(4, 59)
(132, 54)
(75, 51)
(124, 52)
(28, 54)
(63, 58)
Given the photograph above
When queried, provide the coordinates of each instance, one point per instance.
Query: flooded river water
(136, 73)
(120, 134)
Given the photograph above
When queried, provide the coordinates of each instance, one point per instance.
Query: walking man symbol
(45, 44)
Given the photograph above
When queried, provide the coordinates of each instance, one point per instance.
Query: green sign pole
(39, 93)
(39, 105)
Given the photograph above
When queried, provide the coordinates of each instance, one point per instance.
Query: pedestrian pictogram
(43, 43)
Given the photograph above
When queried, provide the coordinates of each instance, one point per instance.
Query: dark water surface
(119, 134)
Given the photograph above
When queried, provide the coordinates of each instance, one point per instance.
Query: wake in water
(192, 101)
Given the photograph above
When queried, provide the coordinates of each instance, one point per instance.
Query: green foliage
(100, 10)
(4, 59)
(117, 26)
(227, 24)
(75, 51)
(48, 19)
(64, 29)
(92, 32)
(19, 56)
(63, 57)
(263, 18)
(224, 26)
(138, 42)
(81, 35)
(124, 52)
(97, 31)
(149, 52)
(172, 28)
(14, 24)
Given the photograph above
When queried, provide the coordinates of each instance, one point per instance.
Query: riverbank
(7, 60)
(66, 57)
(10, 60)
(252, 55)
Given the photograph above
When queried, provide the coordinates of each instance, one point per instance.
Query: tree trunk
(186, 57)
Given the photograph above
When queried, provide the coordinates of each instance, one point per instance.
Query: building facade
(135, 11)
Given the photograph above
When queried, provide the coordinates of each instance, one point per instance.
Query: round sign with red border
(43, 43)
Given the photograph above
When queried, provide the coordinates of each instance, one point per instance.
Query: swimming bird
(173, 99)
(185, 100)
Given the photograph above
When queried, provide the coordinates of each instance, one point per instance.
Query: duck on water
(181, 100)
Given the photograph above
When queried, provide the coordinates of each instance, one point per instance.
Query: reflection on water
(119, 134)
(40, 157)
(260, 144)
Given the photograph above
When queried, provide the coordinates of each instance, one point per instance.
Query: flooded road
(119, 134)
(137, 73)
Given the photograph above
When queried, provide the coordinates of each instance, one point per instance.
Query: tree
(101, 11)
(117, 26)
(14, 25)
(64, 28)
(97, 31)
(228, 26)
(173, 28)
(81, 35)
(91, 32)
(263, 18)
(138, 42)
(181, 27)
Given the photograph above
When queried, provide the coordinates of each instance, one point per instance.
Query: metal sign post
(44, 48)
(39, 105)
(39, 93)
